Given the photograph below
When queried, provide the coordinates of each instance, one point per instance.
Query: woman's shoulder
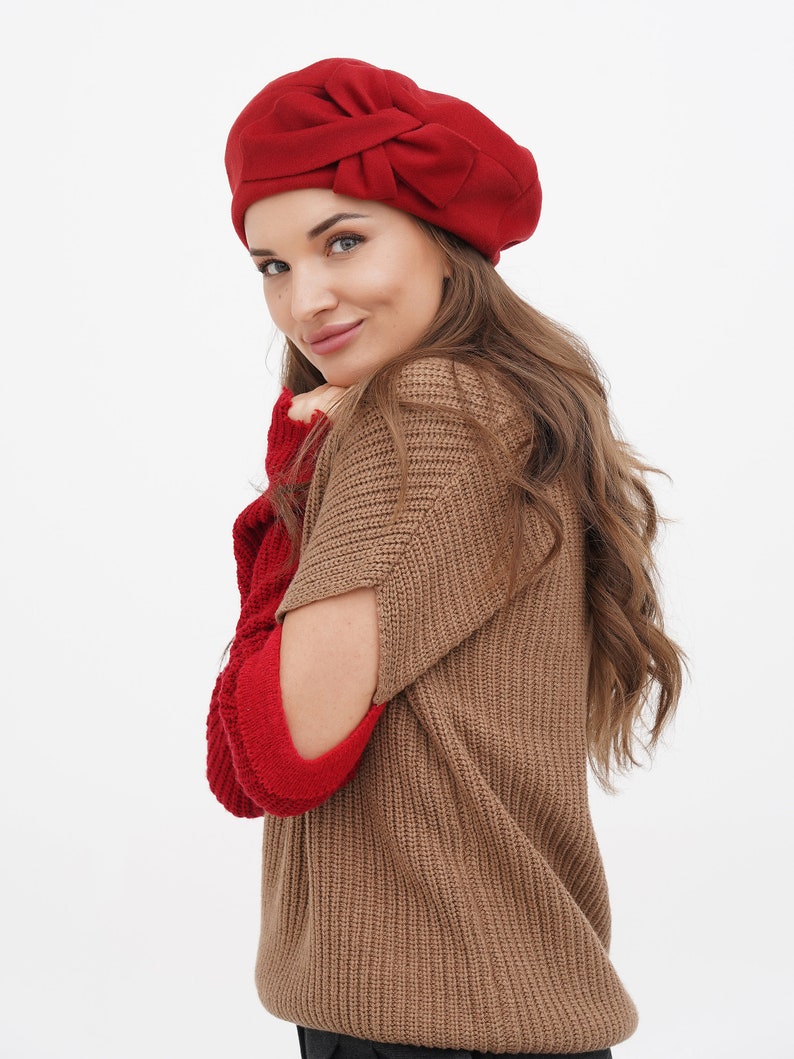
(457, 386)
(437, 412)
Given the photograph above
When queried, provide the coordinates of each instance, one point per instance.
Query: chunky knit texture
(252, 764)
(452, 894)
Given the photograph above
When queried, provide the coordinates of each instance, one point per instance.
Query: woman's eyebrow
(318, 229)
(323, 226)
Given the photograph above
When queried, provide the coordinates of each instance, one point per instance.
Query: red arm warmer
(252, 764)
(220, 767)
(284, 439)
(268, 766)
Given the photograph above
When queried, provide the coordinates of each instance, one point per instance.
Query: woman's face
(352, 283)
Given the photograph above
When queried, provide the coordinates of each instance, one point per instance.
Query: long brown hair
(636, 670)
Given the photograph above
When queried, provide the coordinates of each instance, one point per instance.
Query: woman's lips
(330, 339)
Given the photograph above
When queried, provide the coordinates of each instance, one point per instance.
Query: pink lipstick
(332, 337)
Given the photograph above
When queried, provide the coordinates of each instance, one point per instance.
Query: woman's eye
(343, 244)
(272, 268)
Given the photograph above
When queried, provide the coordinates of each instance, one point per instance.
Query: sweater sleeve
(284, 440)
(254, 526)
(221, 775)
(262, 578)
(252, 764)
(430, 559)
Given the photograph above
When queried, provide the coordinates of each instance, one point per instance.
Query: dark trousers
(318, 1044)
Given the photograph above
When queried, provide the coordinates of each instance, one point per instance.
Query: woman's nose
(311, 293)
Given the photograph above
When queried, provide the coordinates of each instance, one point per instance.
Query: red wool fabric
(269, 768)
(373, 134)
(252, 764)
(220, 766)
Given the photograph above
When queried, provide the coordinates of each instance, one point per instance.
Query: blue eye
(344, 243)
(272, 267)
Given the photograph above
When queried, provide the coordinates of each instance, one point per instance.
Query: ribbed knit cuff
(258, 520)
(285, 437)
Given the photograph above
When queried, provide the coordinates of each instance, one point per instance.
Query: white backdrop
(136, 390)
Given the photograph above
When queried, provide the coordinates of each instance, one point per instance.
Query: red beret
(373, 134)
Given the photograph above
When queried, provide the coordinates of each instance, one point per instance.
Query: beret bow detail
(370, 140)
(375, 135)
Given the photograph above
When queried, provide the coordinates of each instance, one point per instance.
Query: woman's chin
(342, 378)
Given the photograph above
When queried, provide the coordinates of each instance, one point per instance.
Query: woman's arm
(329, 669)
(422, 549)
(255, 524)
(288, 751)
(329, 649)
(380, 594)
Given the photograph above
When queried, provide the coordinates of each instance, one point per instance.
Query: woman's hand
(324, 399)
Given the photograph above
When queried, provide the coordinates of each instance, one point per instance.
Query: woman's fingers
(322, 399)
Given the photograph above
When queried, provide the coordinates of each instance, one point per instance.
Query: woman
(448, 600)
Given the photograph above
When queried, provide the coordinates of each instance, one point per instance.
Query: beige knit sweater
(453, 894)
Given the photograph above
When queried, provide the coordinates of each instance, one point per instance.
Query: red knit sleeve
(284, 440)
(220, 767)
(268, 767)
(252, 764)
